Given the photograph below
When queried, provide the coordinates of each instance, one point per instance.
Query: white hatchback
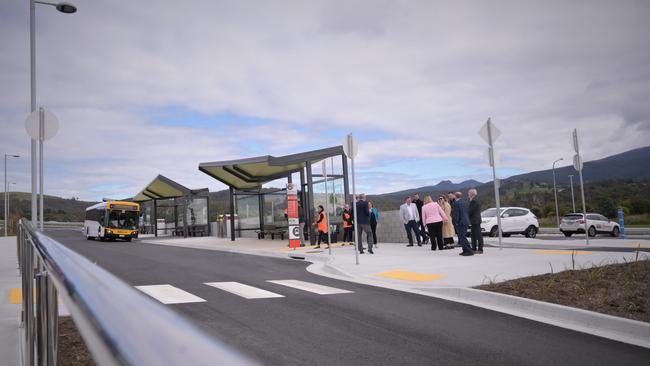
(596, 224)
(515, 220)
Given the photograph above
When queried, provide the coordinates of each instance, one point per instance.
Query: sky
(142, 88)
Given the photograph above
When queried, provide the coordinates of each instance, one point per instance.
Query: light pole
(65, 8)
(6, 188)
(8, 198)
(573, 200)
(557, 211)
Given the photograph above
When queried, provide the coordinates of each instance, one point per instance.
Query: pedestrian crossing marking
(552, 251)
(411, 276)
(245, 291)
(311, 287)
(168, 294)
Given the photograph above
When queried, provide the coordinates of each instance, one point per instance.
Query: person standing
(461, 223)
(363, 223)
(374, 220)
(433, 217)
(475, 221)
(418, 203)
(408, 212)
(323, 227)
(348, 225)
(447, 226)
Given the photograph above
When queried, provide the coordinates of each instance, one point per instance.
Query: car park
(515, 220)
(574, 223)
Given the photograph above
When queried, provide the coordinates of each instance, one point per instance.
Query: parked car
(596, 224)
(515, 220)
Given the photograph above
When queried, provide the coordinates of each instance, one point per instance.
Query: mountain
(442, 186)
(629, 165)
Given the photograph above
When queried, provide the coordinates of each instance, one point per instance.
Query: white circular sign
(577, 162)
(350, 147)
(50, 125)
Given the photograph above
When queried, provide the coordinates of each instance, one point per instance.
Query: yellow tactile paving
(552, 251)
(411, 276)
(16, 295)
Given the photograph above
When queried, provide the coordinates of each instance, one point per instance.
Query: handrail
(119, 324)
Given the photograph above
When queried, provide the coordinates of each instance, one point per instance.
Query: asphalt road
(371, 326)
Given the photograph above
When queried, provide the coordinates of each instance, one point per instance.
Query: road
(367, 326)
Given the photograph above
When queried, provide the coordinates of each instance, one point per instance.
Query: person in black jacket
(475, 221)
(419, 203)
(461, 223)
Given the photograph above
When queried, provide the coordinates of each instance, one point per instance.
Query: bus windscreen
(122, 219)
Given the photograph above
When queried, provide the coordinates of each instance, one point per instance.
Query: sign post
(350, 148)
(41, 125)
(577, 165)
(621, 221)
(292, 216)
(490, 133)
(327, 210)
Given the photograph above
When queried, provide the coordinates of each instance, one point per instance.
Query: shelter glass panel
(274, 208)
(247, 209)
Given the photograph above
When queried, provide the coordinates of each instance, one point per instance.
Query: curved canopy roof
(253, 172)
(161, 188)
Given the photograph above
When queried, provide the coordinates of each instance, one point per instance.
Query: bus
(112, 220)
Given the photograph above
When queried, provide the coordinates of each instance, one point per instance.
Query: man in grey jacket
(408, 212)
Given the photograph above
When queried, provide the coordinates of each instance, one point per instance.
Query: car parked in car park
(596, 224)
(515, 220)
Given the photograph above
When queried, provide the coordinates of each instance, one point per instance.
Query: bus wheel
(128, 239)
(90, 238)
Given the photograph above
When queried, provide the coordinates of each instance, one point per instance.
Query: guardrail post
(41, 315)
(28, 300)
(52, 323)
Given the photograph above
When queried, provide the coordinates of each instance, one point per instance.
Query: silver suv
(596, 224)
(515, 220)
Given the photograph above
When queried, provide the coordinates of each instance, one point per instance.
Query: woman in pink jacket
(433, 216)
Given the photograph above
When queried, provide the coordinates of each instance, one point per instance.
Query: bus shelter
(258, 208)
(171, 209)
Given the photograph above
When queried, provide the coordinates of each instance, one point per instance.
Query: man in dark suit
(475, 221)
(461, 223)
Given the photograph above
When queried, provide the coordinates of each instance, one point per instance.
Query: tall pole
(354, 202)
(573, 200)
(557, 210)
(327, 210)
(578, 160)
(41, 136)
(32, 54)
(5, 190)
(496, 183)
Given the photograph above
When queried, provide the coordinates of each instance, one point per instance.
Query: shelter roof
(250, 173)
(162, 188)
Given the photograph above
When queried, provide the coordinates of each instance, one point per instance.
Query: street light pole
(65, 8)
(573, 200)
(557, 211)
(6, 212)
(8, 203)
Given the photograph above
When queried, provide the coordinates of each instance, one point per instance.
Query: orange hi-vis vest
(346, 218)
(322, 225)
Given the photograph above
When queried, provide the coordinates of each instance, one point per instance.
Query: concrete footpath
(9, 309)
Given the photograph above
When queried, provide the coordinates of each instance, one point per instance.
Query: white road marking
(311, 287)
(168, 294)
(245, 291)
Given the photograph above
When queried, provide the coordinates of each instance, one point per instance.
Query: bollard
(621, 221)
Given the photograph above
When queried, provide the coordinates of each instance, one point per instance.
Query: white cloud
(425, 75)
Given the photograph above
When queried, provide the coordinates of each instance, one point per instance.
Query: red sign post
(292, 216)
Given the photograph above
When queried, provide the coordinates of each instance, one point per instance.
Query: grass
(72, 349)
(621, 290)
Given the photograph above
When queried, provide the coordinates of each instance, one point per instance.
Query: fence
(119, 324)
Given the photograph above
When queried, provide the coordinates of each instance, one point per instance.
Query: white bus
(112, 220)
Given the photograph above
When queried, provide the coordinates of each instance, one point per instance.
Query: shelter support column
(346, 184)
(232, 214)
(155, 217)
(310, 200)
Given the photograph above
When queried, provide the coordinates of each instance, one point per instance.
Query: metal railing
(119, 324)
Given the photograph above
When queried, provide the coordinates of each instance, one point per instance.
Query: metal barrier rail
(119, 324)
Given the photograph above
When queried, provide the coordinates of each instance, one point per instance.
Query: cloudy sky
(155, 87)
